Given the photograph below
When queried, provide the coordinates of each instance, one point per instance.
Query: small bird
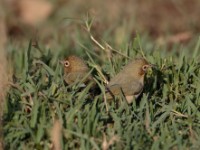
(130, 81)
(75, 69)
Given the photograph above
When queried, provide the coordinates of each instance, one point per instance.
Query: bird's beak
(153, 66)
(61, 62)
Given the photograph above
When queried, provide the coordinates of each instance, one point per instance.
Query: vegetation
(165, 116)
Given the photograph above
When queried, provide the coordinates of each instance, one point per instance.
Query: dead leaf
(33, 12)
(182, 37)
(106, 144)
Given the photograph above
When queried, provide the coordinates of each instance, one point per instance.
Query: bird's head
(143, 65)
(138, 67)
(74, 64)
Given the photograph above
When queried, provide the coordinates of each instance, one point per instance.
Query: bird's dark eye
(66, 63)
(145, 67)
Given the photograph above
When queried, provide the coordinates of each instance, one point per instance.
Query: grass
(165, 116)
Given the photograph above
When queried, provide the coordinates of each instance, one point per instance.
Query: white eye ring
(145, 67)
(66, 63)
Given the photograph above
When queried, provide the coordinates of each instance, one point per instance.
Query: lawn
(42, 112)
(165, 116)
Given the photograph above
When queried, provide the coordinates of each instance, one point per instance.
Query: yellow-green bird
(129, 81)
(75, 69)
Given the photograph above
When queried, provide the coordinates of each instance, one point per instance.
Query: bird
(129, 81)
(75, 70)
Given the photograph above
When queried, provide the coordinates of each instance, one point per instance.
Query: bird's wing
(128, 88)
(77, 77)
(118, 78)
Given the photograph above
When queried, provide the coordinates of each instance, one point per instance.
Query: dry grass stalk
(56, 134)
